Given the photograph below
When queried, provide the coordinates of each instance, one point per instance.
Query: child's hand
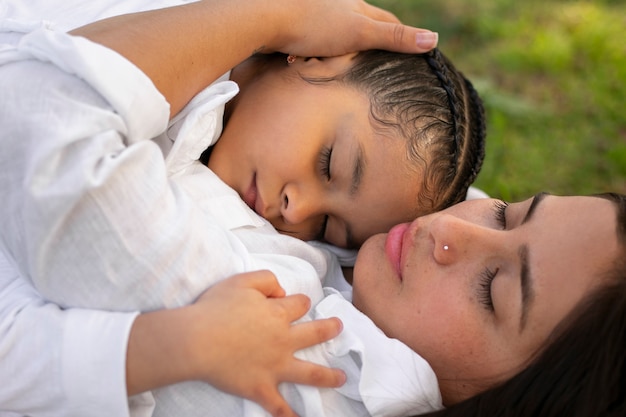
(243, 340)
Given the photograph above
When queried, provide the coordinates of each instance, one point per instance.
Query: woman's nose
(455, 238)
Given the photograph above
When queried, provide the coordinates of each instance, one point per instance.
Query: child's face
(307, 158)
(444, 305)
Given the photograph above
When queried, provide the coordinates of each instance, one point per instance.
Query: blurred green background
(552, 74)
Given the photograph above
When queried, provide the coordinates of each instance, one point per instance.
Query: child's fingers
(270, 399)
(314, 332)
(263, 281)
(308, 373)
(295, 306)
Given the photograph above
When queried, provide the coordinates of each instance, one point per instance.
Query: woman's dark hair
(581, 372)
(436, 109)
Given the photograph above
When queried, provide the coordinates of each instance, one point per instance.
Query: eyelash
(488, 275)
(486, 279)
(322, 232)
(325, 162)
(499, 208)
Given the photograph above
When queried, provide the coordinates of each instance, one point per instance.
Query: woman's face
(476, 289)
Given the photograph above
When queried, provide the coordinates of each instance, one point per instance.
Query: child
(78, 195)
(330, 122)
(151, 217)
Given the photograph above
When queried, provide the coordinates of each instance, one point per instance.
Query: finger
(382, 15)
(271, 400)
(402, 38)
(295, 306)
(262, 281)
(315, 332)
(308, 373)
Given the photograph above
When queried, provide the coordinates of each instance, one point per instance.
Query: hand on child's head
(344, 26)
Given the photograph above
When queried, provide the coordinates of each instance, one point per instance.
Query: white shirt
(59, 362)
(75, 149)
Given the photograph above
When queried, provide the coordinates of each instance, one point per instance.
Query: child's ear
(323, 67)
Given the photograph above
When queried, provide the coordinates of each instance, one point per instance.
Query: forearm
(185, 48)
(156, 355)
(196, 42)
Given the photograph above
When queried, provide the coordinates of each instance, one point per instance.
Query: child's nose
(299, 205)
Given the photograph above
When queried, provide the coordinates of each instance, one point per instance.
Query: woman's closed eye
(324, 162)
(499, 209)
(484, 288)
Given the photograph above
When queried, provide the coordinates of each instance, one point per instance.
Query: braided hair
(436, 109)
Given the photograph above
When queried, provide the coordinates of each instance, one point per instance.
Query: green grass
(552, 75)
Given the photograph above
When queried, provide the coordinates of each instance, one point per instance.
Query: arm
(59, 362)
(198, 42)
(73, 362)
(182, 342)
(83, 180)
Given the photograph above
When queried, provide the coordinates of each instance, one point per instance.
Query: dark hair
(436, 109)
(582, 369)
(430, 104)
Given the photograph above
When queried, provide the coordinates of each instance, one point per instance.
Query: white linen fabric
(56, 362)
(100, 219)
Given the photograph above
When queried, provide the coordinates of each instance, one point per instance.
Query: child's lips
(393, 246)
(253, 198)
(251, 194)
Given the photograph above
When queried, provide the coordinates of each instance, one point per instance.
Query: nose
(456, 238)
(300, 204)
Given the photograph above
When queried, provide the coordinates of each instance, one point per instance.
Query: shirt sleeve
(73, 359)
(95, 221)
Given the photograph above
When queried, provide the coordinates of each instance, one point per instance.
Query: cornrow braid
(436, 62)
(467, 161)
(436, 109)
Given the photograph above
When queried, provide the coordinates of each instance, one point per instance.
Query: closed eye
(499, 209)
(484, 288)
(322, 232)
(324, 162)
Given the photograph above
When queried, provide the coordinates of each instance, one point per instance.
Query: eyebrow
(357, 170)
(526, 281)
(357, 175)
(527, 290)
(533, 206)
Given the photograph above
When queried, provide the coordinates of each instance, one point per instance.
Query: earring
(291, 59)
(446, 247)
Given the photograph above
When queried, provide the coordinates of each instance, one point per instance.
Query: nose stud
(446, 247)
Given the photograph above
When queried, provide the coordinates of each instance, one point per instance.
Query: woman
(482, 289)
(491, 296)
(580, 373)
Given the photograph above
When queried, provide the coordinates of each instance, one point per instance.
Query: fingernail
(342, 379)
(426, 40)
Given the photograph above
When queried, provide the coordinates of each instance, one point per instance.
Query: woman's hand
(238, 336)
(336, 27)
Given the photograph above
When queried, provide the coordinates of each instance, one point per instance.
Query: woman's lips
(393, 246)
